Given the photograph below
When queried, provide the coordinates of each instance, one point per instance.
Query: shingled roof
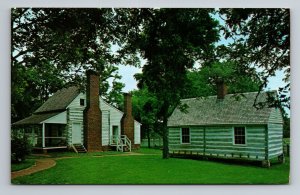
(57, 103)
(230, 110)
(35, 118)
(59, 100)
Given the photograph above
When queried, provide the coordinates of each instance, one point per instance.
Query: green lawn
(152, 169)
(19, 166)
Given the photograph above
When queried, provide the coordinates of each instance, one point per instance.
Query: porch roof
(36, 118)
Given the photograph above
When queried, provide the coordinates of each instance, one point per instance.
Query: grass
(23, 165)
(148, 151)
(58, 154)
(152, 169)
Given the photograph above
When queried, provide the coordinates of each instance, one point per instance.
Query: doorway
(115, 129)
(76, 133)
(115, 133)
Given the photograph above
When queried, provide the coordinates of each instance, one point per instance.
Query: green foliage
(201, 83)
(220, 72)
(52, 48)
(259, 38)
(286, 127)
(20, 147)
(151, 169)
(31, 86)
(198, 85)
(145, 109)
(171, 41)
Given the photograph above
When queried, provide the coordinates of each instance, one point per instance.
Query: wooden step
(79, 148)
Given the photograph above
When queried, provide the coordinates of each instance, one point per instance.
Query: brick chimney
(221, 90)
(92, 114)
(127, 121)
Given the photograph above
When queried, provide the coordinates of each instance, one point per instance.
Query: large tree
(260, 39)
(171, 41)
(199, 83)
(52, 48)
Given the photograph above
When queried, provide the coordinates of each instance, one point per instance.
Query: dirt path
(41, 164)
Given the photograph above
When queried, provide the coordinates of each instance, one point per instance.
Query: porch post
(32, 136)
(43, 136)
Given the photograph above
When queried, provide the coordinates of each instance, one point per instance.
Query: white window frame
(189, 135)
(233, 136)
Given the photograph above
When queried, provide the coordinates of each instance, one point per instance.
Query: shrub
(20, 147)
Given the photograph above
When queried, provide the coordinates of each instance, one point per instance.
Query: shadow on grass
(230, 161)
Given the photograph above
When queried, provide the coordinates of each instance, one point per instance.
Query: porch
(45, 131)
(47, 136)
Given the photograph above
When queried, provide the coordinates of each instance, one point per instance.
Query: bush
(20, 147)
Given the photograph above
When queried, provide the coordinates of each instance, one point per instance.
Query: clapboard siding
(74, 115)
(224, 144)
(111, 116)
(216, 118)
(76, 102)
(197, 137)
(219, 141)
(115, 116)
(105, 127)
(275, 136)
(215, 138)
(275, 116)
(174, 138)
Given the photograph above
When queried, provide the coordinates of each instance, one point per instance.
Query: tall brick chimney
(221, 90)
(92, 114)
(127, 121)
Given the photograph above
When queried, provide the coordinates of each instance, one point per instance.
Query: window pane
(185, 135)
(239, 135)
(81, 102)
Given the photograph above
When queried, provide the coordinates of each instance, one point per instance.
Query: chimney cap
(127, 94)
(92, 72)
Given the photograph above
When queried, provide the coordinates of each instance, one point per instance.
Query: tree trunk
(148, 136)
(165, 132)
(165, 138)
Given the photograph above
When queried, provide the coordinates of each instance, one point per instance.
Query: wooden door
(76, 133)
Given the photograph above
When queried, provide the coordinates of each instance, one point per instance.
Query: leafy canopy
(52, 48)
(171, 41)
(260, 39)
